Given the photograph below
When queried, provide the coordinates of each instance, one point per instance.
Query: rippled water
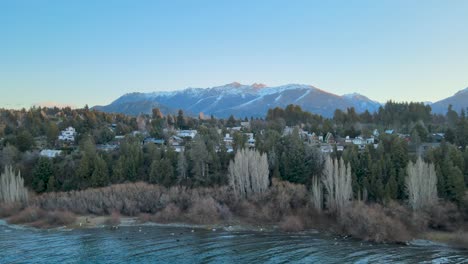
(156, 244)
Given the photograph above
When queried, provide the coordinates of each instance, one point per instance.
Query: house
(154, 141)
(313, 138)
(376, 133)
(348, 140)
(179, 148)
(359, 141)
(50, 153)
(329, 138)
(177, 143)
(245, 125)
(438, 137)
(250, 140)
(228, 139)
(288, 130)
(330, 148)
(68, 134)
(107, 147)
(187, 133)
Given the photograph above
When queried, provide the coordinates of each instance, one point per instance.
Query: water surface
(164, 244)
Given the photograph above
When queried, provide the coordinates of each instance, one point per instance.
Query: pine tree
(42, 172)
(100, 175)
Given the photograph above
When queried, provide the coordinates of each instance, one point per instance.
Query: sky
(92, 52)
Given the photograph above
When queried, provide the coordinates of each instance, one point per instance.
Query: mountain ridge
(253, 100)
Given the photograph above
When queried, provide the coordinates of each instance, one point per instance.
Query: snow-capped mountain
(240, 100)
(458, 101)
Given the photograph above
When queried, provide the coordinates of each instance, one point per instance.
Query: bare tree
(12, 188)
(421, 184)
(181, 167)
(337, 182)
(248, 173)
(317, 195)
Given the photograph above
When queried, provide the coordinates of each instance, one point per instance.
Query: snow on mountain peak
(259, 85)
(464, 91)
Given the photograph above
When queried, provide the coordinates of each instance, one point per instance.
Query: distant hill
(458, 101)
(240, 100)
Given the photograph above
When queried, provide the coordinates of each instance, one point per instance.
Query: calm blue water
(155, 244)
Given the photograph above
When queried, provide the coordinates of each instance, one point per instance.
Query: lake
(166, 244)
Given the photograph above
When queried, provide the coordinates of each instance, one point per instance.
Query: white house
(68, 134)
(187, 133)
(359, 141)
(50, 153)
(228, 139)
(245, 124)
(250, 140)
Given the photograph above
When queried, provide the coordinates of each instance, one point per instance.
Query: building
(330, 148)
(107, 147)
(50, 153)
(153, 141)
(187, 133)
(245, 125)
(68, 134)
(177, 143)
(228, 139)
(250, 140)
(329, 138)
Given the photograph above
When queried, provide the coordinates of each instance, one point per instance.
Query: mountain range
(255, 100)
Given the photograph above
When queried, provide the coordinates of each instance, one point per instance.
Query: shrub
(204, 211)
(28, 215)
(170, 213)
(58, 218)
(291, 224)
(445, 216)
(9, 209)
(369, 222)
(114, 219)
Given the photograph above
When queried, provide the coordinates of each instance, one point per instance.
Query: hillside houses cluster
(177, 139)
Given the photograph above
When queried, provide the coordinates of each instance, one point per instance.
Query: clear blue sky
(91, 52)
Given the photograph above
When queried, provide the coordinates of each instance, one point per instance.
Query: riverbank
(113, 221)
(285, 207)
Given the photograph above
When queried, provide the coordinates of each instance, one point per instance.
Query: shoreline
(82, 222)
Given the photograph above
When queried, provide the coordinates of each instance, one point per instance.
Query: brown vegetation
(291, 224)
(40, 218)
(113, 220)
(284, 204)
(370, 222)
